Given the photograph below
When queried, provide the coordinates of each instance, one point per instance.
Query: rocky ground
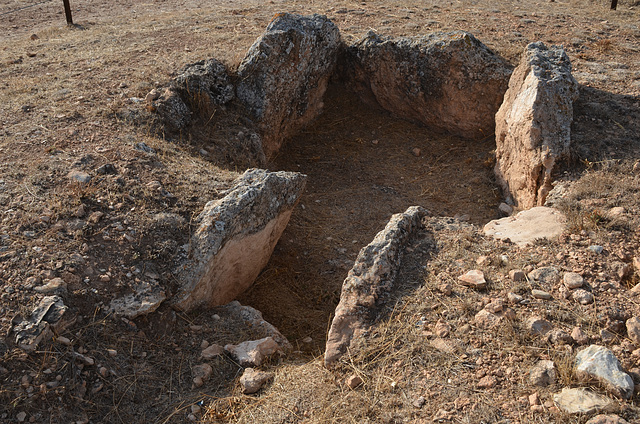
(95, 202)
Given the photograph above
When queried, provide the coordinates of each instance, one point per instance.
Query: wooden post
(614, 4)
(67, 12)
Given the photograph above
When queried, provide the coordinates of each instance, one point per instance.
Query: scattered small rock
(607, 419)
(517, 275)
(572, 280)
(578, 336)
(543, 373)
(79, 177)
(633, 330)
(582, 296)
(53, 286)
(212, 351)
(442, 329)
(253, 380)
(353, 381)
(514, 298)
(596, 249)
(546, 275)
(201, 374)
(485, 319)
(252, 353)
(540, 294)
(537, 325)
(487, 382)
(474, 279)
(416, 151)
(419, 402)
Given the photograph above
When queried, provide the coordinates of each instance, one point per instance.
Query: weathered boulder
(448, 81)
(600, 363)
(372, 276)
(235, 237)
(525, 227)
(285, 73)
(206, 80)
(50, 314)
(533, 124)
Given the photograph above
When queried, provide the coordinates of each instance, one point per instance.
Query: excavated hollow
(362, 167)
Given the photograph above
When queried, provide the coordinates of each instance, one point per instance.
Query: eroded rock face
(285, 73)
(533, 124)
(236, 236)
(372, 276)
(448, 81)
(208, 78)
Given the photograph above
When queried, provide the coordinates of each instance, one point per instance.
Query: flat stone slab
(581, 401)
(527, 226)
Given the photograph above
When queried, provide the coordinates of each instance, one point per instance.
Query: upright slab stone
(285, 73)
(235, 238)
(448, 81)
(533, 124)
(372, 276)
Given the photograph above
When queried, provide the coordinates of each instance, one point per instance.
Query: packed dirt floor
(364, 165)
(71, 98)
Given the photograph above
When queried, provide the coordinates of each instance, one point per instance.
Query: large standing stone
(284, 75)
(527, 226)
(448, 81)
(600, 363)
(236, 236)
(533, 124)
(372, 276)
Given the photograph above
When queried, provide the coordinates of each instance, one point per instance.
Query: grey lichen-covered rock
(448, 81)
(598, 362)
(533, 124)
(580, 401)
(50, 314)
(372, 276)
(235, 237)
(207, 78)
(146, 298)
(284, 75)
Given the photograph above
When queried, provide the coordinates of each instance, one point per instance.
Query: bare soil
(70, 99)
